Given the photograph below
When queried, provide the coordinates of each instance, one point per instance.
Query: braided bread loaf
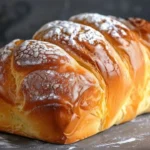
(75, 78)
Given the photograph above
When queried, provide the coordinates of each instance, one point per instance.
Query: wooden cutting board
(134, 135)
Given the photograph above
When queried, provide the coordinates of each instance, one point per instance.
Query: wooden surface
(134, 135)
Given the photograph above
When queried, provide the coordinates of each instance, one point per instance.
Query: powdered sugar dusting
(69, 33)
(126, 141)
(103, 23)
(6, 143)
(32, 52)
(132, 134)
(119, 142)
(50, 85)
(6, 51)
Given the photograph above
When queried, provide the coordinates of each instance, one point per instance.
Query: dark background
(21, 18)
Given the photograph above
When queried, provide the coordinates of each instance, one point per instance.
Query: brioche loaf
(75, 78)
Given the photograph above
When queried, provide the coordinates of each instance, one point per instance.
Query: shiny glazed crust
(75, 78)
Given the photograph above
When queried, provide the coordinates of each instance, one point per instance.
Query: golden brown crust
(141, 27)
(96, 77)
(126, 44)
(7, 86)
(50, 90)
(91, 50)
